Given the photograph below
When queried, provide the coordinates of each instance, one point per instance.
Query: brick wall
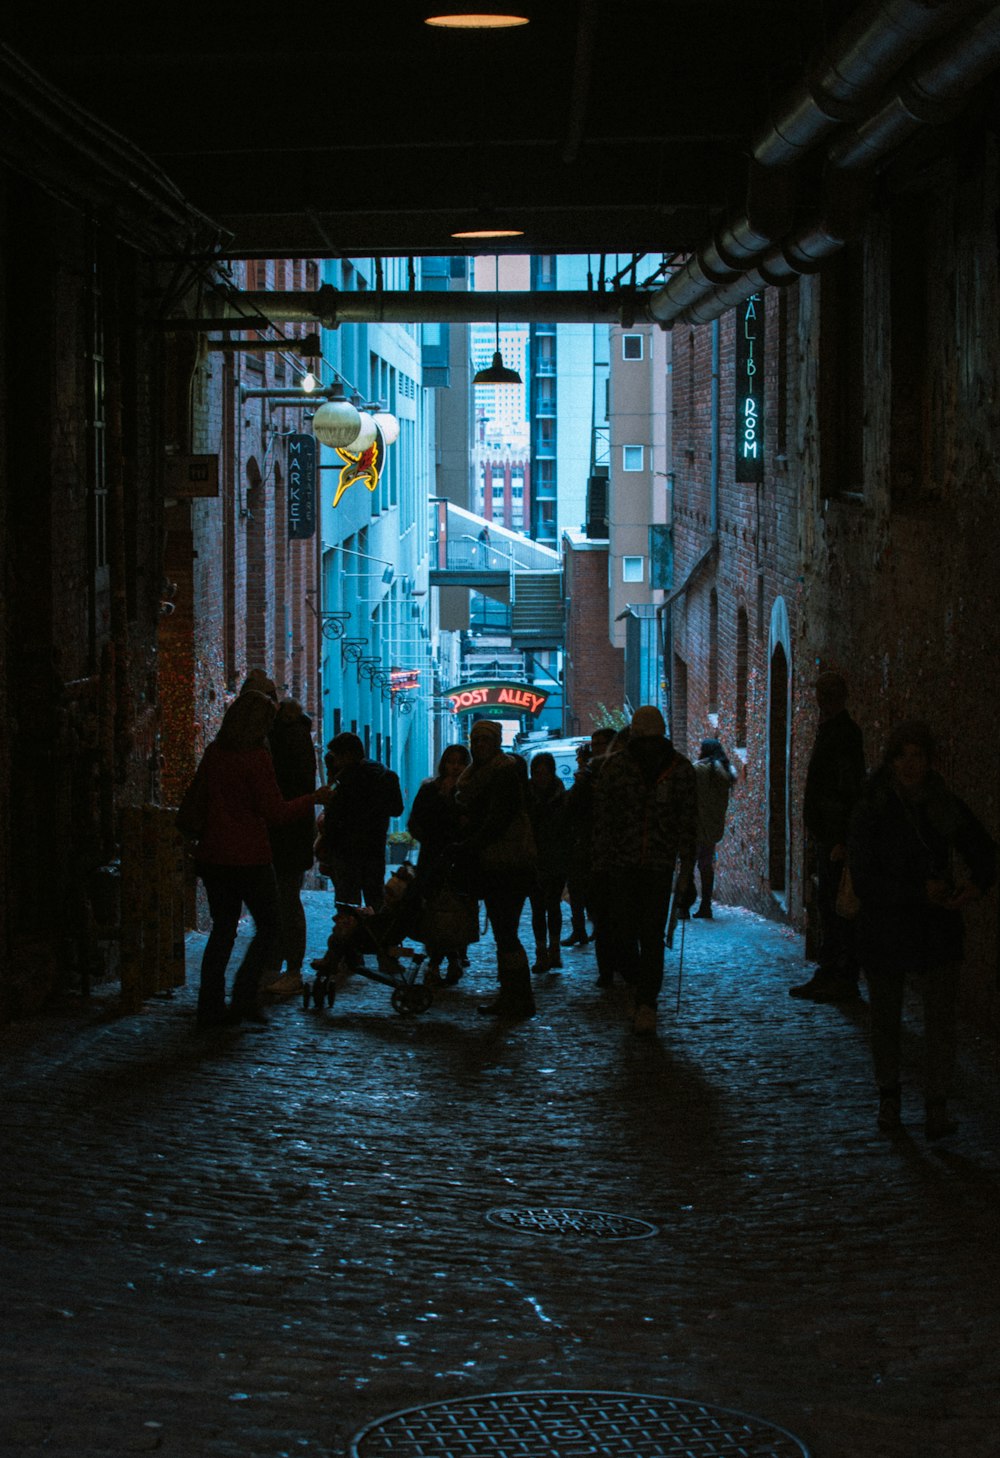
(594, 670)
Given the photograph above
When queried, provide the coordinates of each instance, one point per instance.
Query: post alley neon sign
(517, 698)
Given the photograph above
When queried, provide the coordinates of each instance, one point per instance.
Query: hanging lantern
(336, 423)
(388, 425)
(364, 437)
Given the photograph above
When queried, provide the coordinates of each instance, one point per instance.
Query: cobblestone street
(251, 1243)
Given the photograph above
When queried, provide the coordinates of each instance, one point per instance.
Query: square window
(632, 457)
(632, 569)
(631, 346)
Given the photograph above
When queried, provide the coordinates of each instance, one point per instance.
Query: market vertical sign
(750, 389)
(301, 487)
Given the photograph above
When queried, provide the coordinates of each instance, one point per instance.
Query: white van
(563, 751)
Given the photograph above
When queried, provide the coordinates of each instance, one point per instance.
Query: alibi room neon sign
(750, 389)
(509, 698)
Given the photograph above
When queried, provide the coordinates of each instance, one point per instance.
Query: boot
(542, 961)
(555, 956)
(516, 1000)
(707, 886)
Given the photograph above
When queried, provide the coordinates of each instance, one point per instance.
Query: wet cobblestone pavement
(256, 1242)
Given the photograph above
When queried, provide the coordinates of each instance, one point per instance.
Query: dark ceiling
(605, 126)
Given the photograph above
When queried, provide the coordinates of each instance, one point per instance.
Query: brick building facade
(594, 670)
(868, 544)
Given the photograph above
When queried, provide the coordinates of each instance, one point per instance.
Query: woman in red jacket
(241, 798)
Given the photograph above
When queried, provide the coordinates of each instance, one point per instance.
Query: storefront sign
(301, 487)
(750, 389)
(516, 698)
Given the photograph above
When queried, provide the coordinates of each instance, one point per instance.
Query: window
(631, 346)
(632, 569)
(632, 457)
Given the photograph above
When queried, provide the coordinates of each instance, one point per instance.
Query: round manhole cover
(567, 1424)
(563, 1221)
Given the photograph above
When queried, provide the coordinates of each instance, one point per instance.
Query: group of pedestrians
(896, 856)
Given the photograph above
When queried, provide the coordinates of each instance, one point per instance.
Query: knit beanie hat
(487, 726)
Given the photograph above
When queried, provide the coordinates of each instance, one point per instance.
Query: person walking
(547, 813)
(835, 777)
(434, 822)
(354, 827)
(498, 851)
(241, 799)
(907, 838)
(714, 777)
(645, 824)
(294, 757)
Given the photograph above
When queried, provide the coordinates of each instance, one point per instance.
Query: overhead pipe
(927, 95)
(333, 307)
(875, 44)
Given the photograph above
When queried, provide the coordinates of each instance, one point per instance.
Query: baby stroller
(359, 932)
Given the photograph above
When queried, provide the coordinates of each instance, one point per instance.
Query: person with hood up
(645, 823)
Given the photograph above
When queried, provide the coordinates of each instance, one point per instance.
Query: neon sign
(363, 466)
(750, 389)
(518, 698)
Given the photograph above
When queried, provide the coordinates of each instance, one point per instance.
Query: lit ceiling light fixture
(498, 373)
(489, 233)
(479, 15)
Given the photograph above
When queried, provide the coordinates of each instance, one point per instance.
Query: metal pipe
(332, 307)
(925, 96)
(867, 52)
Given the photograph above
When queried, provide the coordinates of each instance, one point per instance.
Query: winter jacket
(294, 757)
(433, 821)
(547, 814)
(356, 823)
(645, 809)
(895, 847)
(714, 782)
(835, 778)
(243, 800)
(497, 840)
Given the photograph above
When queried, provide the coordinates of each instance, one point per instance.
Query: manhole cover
(566, 1424)
(562, 1221)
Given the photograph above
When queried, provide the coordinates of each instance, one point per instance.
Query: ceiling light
(478, 15)
(489, 233)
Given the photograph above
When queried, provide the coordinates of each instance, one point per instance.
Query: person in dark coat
(917, 856)
(835, 778)
(645, 821)
(714, 775)
(294, 755)
(434, 822)
(234, 859)
(356, 823)
(547, 813)
(498, 851)
(579, 821)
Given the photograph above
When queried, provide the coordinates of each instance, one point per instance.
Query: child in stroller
(358, 932)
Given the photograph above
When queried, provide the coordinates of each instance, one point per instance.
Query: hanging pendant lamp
(498, 373)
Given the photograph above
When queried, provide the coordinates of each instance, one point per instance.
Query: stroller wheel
(421, 998)
(401, 1000)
